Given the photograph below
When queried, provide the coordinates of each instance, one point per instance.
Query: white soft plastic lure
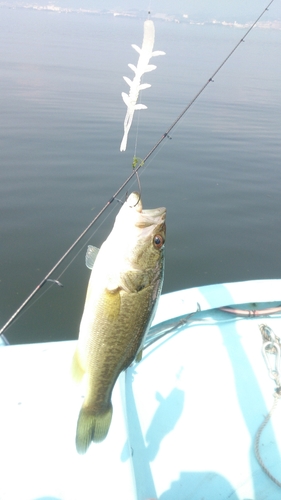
(145, 52)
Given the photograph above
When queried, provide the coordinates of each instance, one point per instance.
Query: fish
(123, 291)
(145, 53)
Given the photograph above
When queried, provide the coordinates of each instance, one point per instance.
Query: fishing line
(211, 79)
(137, 134)
(98, 227)
(18, 314)
(87, 241)
(129, 178)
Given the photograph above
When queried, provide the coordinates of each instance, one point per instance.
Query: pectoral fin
(111, 301)
(91, 256)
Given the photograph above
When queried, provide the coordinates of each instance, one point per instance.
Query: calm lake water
(61, 126)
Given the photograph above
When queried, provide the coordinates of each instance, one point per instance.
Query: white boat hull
(184, 419)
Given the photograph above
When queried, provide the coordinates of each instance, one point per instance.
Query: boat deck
(184, 420)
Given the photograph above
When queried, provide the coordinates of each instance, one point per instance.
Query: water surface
(60, 130)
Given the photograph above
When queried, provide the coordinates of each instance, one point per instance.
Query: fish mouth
(151, 217)
(155, 212)
(148, 217)
(140, 223)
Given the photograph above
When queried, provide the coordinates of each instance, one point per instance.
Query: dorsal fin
(91, 256)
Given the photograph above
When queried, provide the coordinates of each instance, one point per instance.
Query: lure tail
(91, 427)
(143, 66)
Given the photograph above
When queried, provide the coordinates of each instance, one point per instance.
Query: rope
(270, 348)
(164, 136)
(257, 441)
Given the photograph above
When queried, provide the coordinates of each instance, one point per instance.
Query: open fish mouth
(132, 215)
(155, 213)
(143, 220)
(153, 217)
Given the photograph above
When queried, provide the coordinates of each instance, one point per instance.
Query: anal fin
(76, 369)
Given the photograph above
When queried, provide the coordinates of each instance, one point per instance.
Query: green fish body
(122, 295)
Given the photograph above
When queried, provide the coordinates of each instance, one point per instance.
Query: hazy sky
(205, 9)
(188, 6)
(196, 8)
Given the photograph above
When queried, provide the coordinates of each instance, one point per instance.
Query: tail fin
(91, 427)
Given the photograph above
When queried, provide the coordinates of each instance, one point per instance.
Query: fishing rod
(136, 167)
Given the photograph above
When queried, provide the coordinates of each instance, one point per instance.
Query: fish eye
(158, 241)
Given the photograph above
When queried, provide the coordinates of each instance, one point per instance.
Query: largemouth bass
(124, 287)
